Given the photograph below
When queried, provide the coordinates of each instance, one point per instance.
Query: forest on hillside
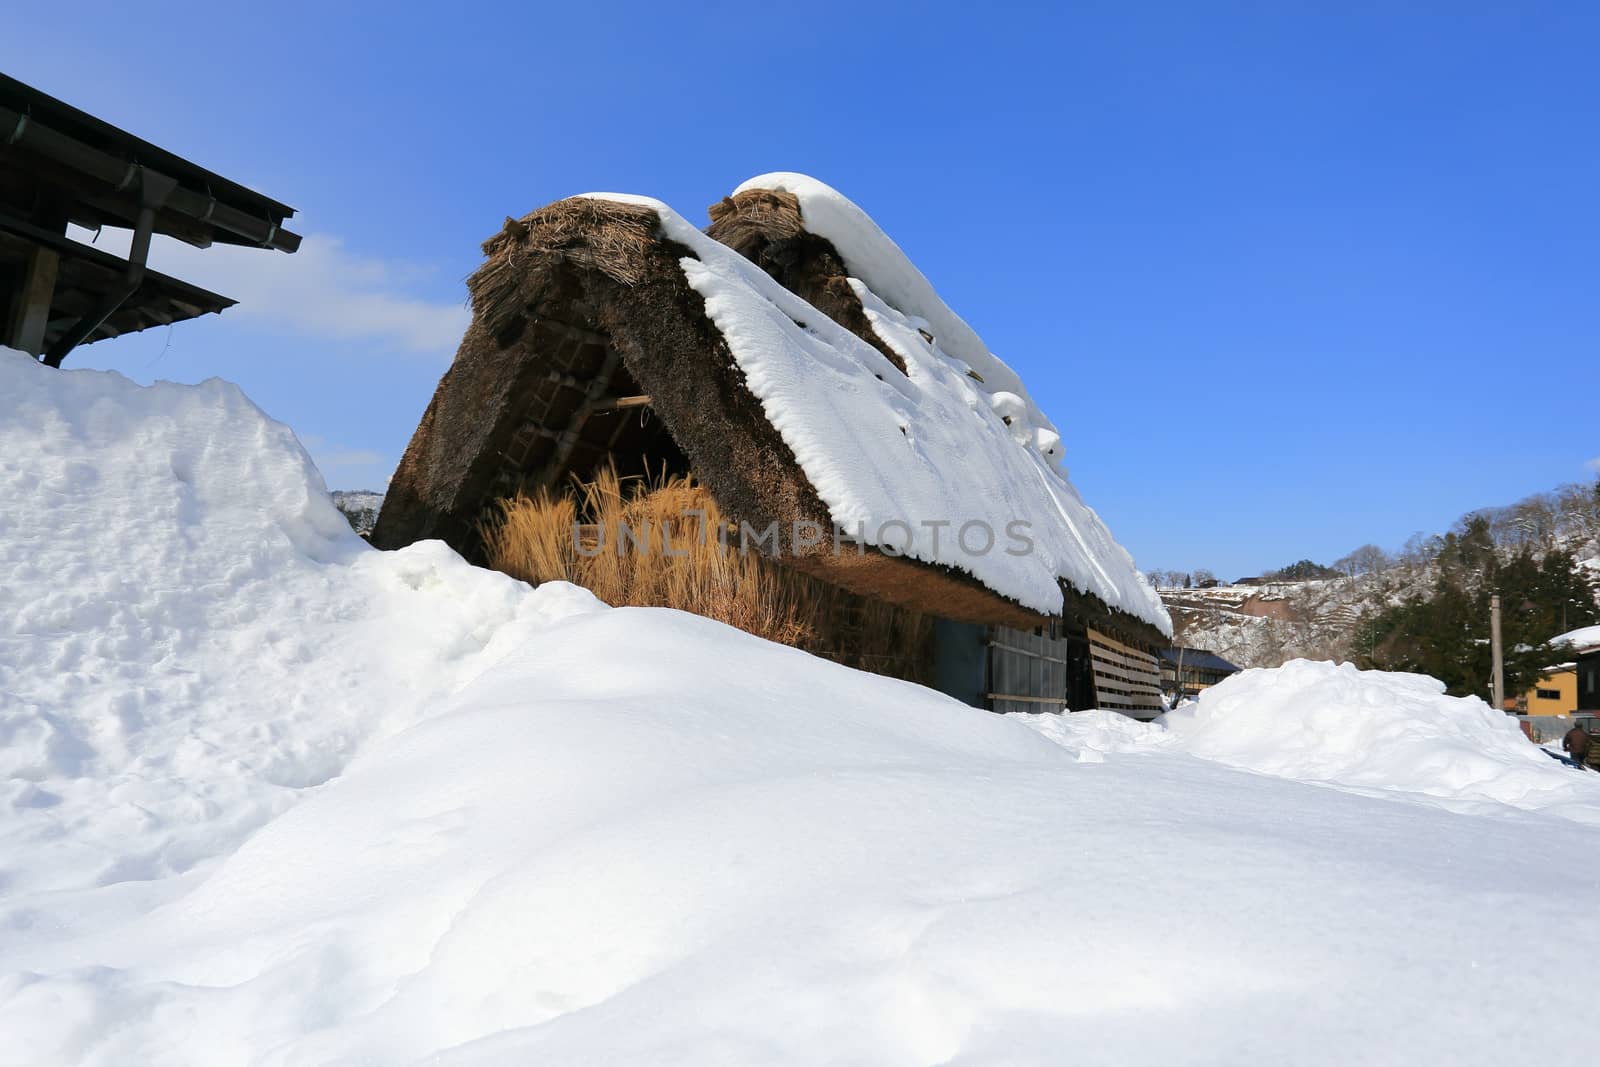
(1422, 607)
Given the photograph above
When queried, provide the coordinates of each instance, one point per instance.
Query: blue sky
(1288, 277)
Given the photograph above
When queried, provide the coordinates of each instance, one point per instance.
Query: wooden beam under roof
(94, 166)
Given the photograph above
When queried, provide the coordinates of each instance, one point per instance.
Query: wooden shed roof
(51, 150)
(60, 166)
(85, 274)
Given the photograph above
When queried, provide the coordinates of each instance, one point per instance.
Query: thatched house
(808, 376)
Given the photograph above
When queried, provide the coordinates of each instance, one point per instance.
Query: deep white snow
(272, 797)
(190, 633)
(898, 454)
(1372, 732)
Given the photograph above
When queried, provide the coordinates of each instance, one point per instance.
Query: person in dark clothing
(1577, 744)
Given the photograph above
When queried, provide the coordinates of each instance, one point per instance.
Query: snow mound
(190, 633)
(1374, 731)
(1093, 735)
(898, 454)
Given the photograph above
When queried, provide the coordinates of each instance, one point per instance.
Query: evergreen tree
(1446, 633)
(1303, 571)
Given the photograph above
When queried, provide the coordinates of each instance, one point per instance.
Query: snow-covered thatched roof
(880, 410)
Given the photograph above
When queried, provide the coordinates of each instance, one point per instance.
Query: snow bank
(275, 798)
(890, 452)
(190, 633)
(1372, 730)
(1369, 732)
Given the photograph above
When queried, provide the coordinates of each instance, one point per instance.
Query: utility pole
(1499, 657)
(1178, 687)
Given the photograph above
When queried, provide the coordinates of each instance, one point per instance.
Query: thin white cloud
(324, 290)
(345, 459)
(1594, 464)
(343, 467)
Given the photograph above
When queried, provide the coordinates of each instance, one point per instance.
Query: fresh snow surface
(191, 635)
(891, 452)
(272, 797)
(1372, 732)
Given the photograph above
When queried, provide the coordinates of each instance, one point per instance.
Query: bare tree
(1421, 549)
(1577, 510)
(1370, 559)
(1531, 522)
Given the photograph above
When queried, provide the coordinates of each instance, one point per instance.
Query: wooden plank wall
(1027, 670)
(1125, 679)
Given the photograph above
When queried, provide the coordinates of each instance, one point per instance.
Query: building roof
(86, 273)
(87, 166)
(806, 371)
(60, 166)
(1198, 659)
(1584, 640)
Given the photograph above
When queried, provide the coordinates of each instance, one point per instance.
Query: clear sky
(1289, 277)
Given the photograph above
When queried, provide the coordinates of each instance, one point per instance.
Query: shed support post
(154, 189)
(30, 315)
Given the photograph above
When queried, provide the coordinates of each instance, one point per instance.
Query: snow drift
(190, 633)
(274, 798)
(1372, 732)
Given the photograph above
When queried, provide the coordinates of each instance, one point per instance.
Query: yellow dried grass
(532, 538)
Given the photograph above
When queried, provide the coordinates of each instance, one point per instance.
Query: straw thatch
(583, 303)
(689, 559)
(579, 301)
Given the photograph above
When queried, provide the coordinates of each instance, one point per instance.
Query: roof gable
(786, 414)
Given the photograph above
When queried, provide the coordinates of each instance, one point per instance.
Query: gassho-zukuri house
(796, 364)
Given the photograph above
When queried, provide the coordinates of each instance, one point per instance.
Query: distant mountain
(360, 506)
(1269, 624)
(1265, 622)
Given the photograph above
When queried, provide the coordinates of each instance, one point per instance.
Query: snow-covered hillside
(1268, 625)
(359, 506)
(272, 797)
